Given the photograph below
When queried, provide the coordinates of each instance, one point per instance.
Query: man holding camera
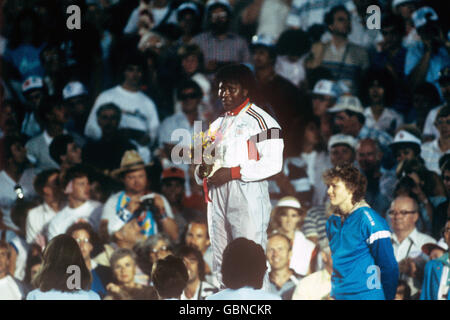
(154, 210)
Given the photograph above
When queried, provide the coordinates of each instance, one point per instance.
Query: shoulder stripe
(378, 235)
(254, 117)
(252, 111)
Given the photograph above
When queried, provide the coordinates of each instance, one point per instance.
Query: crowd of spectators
(88, 122)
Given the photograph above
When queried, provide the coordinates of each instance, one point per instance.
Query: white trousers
(238, 209)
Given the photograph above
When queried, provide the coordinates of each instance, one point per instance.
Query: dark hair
(58, 147)
(109, 106)
(443, 112)
(191, 49)
(396, 21)
(187, 251)
(360, 116)
(407, 292)
(86, 226)
(189, 84)
(9, 142)
(352, 178)
(430, 91)
(403, 145)
(170, 277)
(47, 106)
(329, 16)
(41, 180)
(16, 38)
(32, 260)
(61, 253)
(5, 245)
(444, 163)
(293, 43)
(271, 50)
(243, 264)
(405, 183)
(77, 171)
(237, 73)
(384, 79)
(417, 166)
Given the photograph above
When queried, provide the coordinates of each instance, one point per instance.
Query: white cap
(263, 40)
(404, 136)
(396, 3)
(290, 202)
(32, 82)
(342, 139)
(350, 103)
(222, 2)
(188, 5)
(326, 87)
(74, 89)
(421, 16)
(428, 247)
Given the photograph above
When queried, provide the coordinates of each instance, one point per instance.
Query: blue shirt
(364, 265)
(37, 294)
(25, 58)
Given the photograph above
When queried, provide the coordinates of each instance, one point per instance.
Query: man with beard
(369, 155)
(220, 46)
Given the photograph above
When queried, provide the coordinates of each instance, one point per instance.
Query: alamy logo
(74, 20)
(74, 281)
(374, 20)
(374, 280)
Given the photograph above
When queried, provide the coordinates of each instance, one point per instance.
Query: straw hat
(131, 161)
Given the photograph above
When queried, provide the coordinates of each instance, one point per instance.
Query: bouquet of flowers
(210, 158)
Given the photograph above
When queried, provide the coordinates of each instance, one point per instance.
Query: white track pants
(238, 209)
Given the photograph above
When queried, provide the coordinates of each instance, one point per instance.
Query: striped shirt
(431, 153)
(231, 49)
(315, 224)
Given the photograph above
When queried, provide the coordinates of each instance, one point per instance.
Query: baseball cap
(172, 172)
(74, 89)
(263, 40)
(290, 202)
(350, 103)
(444, 74)
(326, 87)
(188, 6)
(342, 139)
(423, 15)
(428, 247)
(32, 82)
(116, 220)
(404, 136)
(396, 3)
(223, 3)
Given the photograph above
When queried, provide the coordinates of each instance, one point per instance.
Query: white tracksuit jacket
(252, 146)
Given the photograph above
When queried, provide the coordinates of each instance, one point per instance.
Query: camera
(19, 192)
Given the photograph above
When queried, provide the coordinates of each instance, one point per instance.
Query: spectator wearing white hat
(437, 273)
(435, 250)
(341, 149)
(349, 119)
(76, 99)
(33, 89)
(324, 96)
(407, 143)
(426, 58)
(287, 218)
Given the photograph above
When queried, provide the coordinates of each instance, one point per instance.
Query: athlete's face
(338, 192)
(232, 95)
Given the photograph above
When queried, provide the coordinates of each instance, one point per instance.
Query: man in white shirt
(79, 206)
(243, 269)
(407, 241)
(139, 114)
(46, 185)
(10, 288)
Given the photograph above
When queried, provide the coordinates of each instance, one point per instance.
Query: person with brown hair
(364, 265)
(63, 275)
